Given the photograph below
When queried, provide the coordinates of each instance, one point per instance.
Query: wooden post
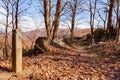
(16, 50)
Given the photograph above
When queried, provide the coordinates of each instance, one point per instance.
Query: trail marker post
(16, 50)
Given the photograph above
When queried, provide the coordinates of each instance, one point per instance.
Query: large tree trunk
(50, 19)
(57, 19)
(46, 18)
(109, 24)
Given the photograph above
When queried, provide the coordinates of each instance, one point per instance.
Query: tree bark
(73, 19)
(50, 20)
(118, 21)
(46, 18)
(118, 31)
(5, 50)
(103, 19)
(109, 24)
(57, 19)
(92, 16)
(16, 14)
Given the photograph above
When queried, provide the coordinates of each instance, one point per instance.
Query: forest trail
(75, 63)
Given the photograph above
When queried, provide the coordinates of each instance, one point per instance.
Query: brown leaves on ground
(73, 63)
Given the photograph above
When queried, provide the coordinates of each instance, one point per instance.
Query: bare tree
(5, 6)
(92, 10)
(52, 20)
(17, 9)
(104, 19)
(12, 10)
(16, 13)
(109, 23)
(74, 7)
(47, 17)
(56, 21)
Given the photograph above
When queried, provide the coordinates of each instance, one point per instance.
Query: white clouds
(83, 24)
(28, 23)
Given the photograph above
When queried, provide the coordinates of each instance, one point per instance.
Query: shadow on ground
(5, 69)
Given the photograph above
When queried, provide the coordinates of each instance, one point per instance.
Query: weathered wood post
(16, 50)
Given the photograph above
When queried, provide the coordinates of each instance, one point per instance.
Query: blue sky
(33, 19)
(33, 14)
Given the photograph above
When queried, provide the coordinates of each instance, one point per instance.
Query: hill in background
(62, 33)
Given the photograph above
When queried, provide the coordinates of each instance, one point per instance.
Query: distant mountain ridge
(62, 32)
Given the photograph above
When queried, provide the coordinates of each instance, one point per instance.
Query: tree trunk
(57, 19)
(73, 19)
(92, 14)
(117, 13)
(72, 26)
(106, 16)
(5, 50)
(104, 24)
(13, 27)
(16, 14)
(50, 20)
(5, 53)
(118, 31)
(109, 24)
(117, 22)
(46, 18)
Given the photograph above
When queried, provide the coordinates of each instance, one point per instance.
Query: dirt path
(74, 63)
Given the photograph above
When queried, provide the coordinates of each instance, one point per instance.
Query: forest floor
(101, 62)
